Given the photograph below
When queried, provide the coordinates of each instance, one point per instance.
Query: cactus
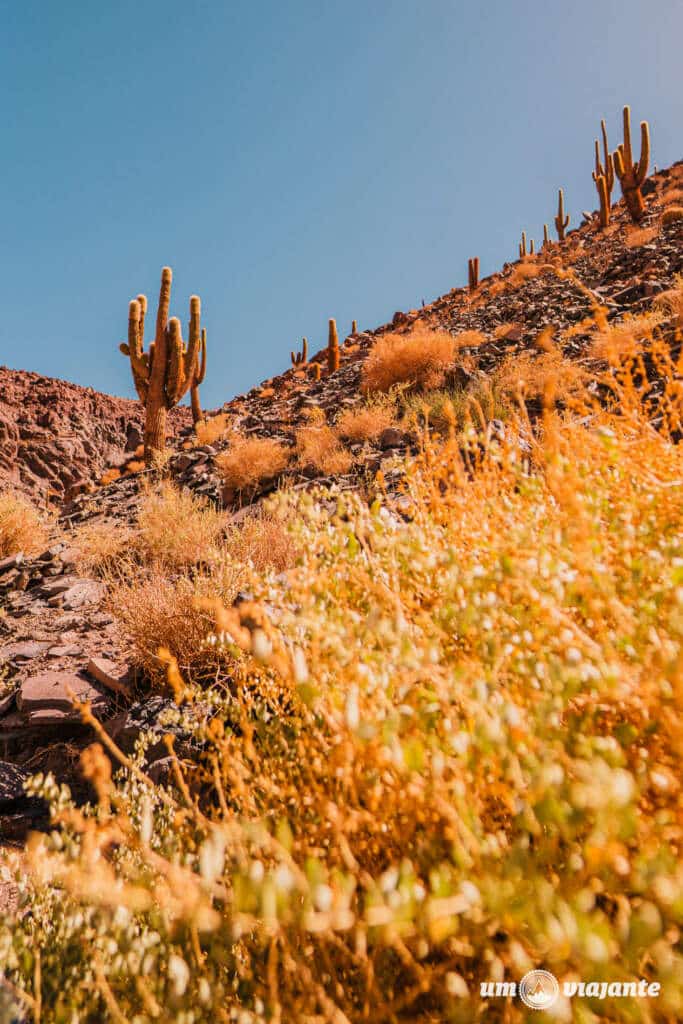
(333, 348)
(608, 170)
(198, 379)
(561, 222)
(531, 247)
(631, 176)
(316, 371)
(522, 246)
(603, 194)
(354, 327)
(473, 272)
(300, 358)
(546, 237)
(169, 369)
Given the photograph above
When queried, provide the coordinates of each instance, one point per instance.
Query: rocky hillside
(57, 635)
(56, 438)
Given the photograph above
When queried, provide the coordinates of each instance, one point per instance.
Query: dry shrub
(366, 422)
(249, 460)
(546, 377)
(503, 331)
(621, 340)
(672, 215)
(420, 358)
(635, 237)
(672, 195)
(177, 529)
(264, 541)
(469, 339)
(317, 445)
(109, 476)
(524, 271)
(135, 466)
(670, 302)
(208, 431)
(22, 528)
(103, 547)
(158, 613)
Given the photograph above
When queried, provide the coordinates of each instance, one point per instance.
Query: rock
(399, 318)
(11, 562)
(23, 651)
(82, 593)
(133, 437)
(392, 437)
(48, 692)
(12, 781)
(64, 651)
(108, 673)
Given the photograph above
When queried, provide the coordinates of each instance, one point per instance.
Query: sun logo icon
(538, 990)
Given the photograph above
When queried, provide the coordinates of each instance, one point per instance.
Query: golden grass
(503, 331)
(545, 377)
(672, 215)
(469, 339)
(419, 358)
(317, 445)
(176, 529)
(249, 460)
(670, 302)
(635, 237)
(208, 431)
(22, 528)
(524, 271)
(109, 476)
(623, 339)
(264, 541)
(365, 422)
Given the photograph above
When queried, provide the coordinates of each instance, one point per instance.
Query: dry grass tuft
(469, 339)
(672, 215)
(249, 460)
(208, 431)
(635, 237)
(135, 466)
(366, 422)
(420, 358)
(670, 303)
(507, 330)
(318, 446)
(524, 271)
(176, 529)
(622, 340)
(22, 528)
(109, 476)
(264, 541)
(546, 378)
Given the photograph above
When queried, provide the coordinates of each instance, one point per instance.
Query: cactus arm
(175, 377)
(641, 172)
(191, 357)
(201, 373)
(609, 166)
(628, 153)
(618, 161)
(134, 351)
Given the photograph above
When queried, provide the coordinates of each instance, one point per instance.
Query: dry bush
(546, 377)
(249, 460)
(22, 528)
(524, 271)
(503, 331)
(176, 529)
(366, 422)
(469, 339)
(103, 547)
(450, 409)
(670, 303)
(208, 431)
(672, 195)
(158, 613)
(635, 237)
(264, 541)
(109, 476)
(623, 339)
(317, 445)
(672, 215)
(135, 466)
(420, 358)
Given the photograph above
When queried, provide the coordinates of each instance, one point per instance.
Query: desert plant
(546, 237)
(300, 358)
(672, 215)
(249, 460)
(169, 369)
(606, 172)
(631, 176)
(315, 371)
(196, 381)
(419, 359)
(318, 446)
(209, 430)
(366, 422)
(561, 222)
(354, 327)
(473, 273)
(603, 195)
(22, 528)
(522, 246)
(332, 347)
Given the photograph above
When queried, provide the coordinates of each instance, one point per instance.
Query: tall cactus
(332, 348)
(522, 246)
(561, 222)
(473, 273)
(169, 369)
(631, 176)
(608, 170)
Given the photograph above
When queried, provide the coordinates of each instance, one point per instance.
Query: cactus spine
(332, 347)
(561, 222)
(300, 358)
(473, 272)
(169, 369)
(631, 176)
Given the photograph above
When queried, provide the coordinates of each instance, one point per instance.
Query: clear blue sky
(295, 160)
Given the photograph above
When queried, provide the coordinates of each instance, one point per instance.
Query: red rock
(49, 691)
(108, 673)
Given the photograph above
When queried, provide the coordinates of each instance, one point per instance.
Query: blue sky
(295, 161)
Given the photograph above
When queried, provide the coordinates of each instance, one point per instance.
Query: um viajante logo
(539, 990)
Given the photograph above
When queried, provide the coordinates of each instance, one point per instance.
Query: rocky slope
(56, 438)
(56, 636)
